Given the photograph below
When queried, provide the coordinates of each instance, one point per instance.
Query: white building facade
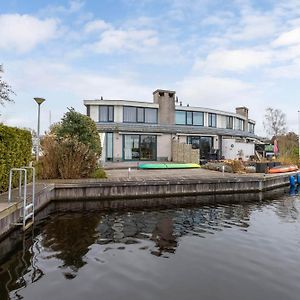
(144, 131)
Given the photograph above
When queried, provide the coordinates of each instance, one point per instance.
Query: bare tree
(275, 122)
(5, 90)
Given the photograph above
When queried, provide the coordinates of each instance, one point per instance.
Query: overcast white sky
(213, 53)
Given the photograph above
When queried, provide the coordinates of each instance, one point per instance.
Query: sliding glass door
(203, 143)
(139, 147)
(131, 147)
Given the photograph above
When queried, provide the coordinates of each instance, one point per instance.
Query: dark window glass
(140, 147)
(203, 143)
(109, 146)
(88, 110)
(150, 115)
(212, 120)
(106, 113)
(189, 118)
(129, 114)
(198, 118)
(180, 117)
(148, 147)
(229, 122)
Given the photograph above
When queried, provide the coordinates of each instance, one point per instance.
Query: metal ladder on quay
(27, 211)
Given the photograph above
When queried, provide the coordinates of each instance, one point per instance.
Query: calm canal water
(235, 251)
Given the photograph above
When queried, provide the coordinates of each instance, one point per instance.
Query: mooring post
(129, 170)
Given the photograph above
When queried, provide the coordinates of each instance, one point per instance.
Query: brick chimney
(243, 111)
(166, 101)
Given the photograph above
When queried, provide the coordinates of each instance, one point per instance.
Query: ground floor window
(109, 146)
(139, 147)
(203, 143)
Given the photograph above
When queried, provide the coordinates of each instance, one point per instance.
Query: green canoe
(168, 166)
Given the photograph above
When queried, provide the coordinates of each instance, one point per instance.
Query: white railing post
(28, 209)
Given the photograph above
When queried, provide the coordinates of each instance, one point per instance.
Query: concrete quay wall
(145, 193)
(11, 215)
(166, 188)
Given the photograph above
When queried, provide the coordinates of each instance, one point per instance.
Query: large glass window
(212, 120)
(251, 127)
(198, 118)
(139, 147)
(189, 118)
(110, 113)
(239, 124)
(148, 147)
(150, 115)
(229, 122)
(140, 115)
(106, 113)
(203, 143)
(131, 147)
(129, 114)
(109, 146)
(180, 117)
(133, 114)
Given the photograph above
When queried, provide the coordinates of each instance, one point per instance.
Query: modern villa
(144, 131)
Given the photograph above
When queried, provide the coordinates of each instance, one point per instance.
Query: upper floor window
(180, 117)
(133, 114)
(189, 118)
(88, 110)
(198, 118)
(129, 114)
(229, 122)
(140, 115)
(150, 115)
(106, 113)
(240, 124)
(251, 127)
(212, 120)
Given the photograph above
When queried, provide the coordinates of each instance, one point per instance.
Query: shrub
(67, 159)
(15, 152)
(81, 127)
(48, 164)
(72, 149)
(99, 173)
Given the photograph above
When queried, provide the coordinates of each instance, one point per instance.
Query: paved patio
(161, 174)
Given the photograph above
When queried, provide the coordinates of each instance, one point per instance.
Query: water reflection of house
(69, 238)
(163, 236)
(137, 131)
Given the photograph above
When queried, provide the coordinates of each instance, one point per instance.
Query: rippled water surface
(237, 251)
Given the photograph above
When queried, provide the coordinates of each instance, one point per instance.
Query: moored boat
(283, 169)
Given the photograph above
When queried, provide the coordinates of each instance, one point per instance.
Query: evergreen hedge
(15, 152)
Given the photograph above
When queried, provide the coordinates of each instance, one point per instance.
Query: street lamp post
(39, 101)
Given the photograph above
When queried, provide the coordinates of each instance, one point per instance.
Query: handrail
(28, 208)
(20, 182)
